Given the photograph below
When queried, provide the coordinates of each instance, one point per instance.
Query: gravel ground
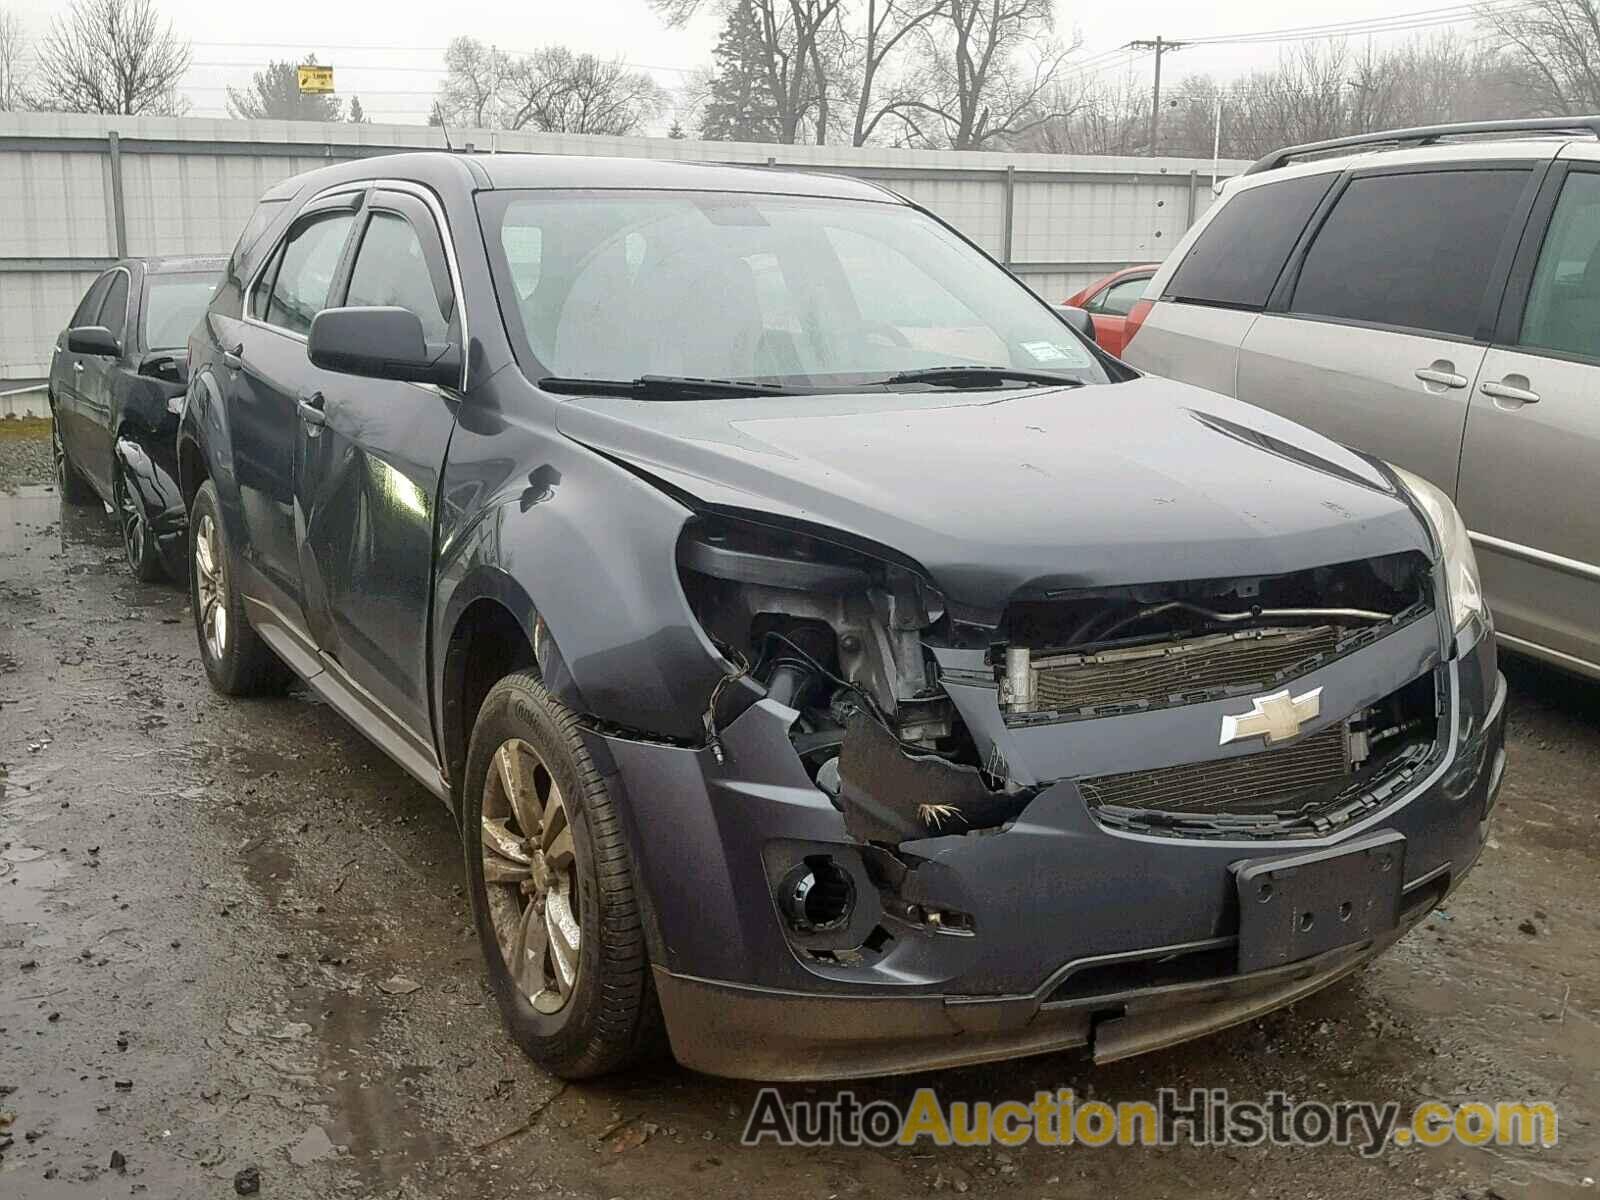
(24, 453)
(233, 935)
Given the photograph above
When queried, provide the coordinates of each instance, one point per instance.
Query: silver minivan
(1431, 296)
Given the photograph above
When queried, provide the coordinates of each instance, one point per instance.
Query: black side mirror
(92, 339)
(381, 343)
(1078, 318)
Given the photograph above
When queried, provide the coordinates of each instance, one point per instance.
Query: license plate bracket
(1301, 905)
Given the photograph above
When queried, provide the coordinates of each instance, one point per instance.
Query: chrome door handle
(1447, 379)
(77, 366)
(1509, 391)
(234, 359)
(310, 407)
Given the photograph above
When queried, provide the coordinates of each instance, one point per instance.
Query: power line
(1393, 23)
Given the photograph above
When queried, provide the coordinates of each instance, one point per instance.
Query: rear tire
(138, 539)
(551, 881)
(74, 488)
(236, 660)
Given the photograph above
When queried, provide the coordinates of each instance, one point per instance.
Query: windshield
(796, 291)
(173, 305)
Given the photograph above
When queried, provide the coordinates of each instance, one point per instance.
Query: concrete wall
(76, 192)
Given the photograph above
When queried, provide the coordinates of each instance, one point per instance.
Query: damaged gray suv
(827, 651)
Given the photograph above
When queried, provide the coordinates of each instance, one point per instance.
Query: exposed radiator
(1250, 658)
(1249, 783)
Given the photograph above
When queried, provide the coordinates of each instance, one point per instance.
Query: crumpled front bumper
(1081, 934)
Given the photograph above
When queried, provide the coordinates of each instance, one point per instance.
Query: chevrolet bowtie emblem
(1278, 717)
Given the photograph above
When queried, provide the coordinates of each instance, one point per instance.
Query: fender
(612, 621)
(153, 487)
(203, 437)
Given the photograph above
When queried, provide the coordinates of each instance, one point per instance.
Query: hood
(1048, 488)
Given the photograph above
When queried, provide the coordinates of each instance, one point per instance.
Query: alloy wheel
(213, 587)
(131, 520)
(530, 875)
(58, 454)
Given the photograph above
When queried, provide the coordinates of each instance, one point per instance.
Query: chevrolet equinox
(828, 652)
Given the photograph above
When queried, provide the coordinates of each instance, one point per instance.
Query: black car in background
(825, 649)
(116, 379)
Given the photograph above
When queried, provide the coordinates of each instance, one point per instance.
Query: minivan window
(1410, 250)
(1238, 256)
(805, 291)
(390, 271)
(1563, 311)
(305, 274)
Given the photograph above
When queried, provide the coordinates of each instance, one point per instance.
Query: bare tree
(990, 71)
(888, 30)
(474, 73)
(557, 91)
(13, 75)
(111, 56)
(1555, 44)
(797, 55)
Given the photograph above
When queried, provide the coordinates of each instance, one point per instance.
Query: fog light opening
(817, 895)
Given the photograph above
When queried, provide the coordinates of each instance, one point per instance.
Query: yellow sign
(316, 81)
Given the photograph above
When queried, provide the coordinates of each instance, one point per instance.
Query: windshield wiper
(976, 376)
(662, 387)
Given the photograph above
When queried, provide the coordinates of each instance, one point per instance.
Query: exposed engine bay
(846, 638)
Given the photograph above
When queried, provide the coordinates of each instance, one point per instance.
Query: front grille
(1248, 659)
(1250, 783)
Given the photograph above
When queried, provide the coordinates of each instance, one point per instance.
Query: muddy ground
(232, 934)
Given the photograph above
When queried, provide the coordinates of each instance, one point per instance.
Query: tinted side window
(1237, 257)
(305, 276)
(114, 311)
(391, 271)
(89, 307)
(1563, 311)
(1410, 250)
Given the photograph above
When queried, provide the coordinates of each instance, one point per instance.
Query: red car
(1108, 301)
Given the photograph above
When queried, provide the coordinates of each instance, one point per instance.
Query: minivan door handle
(1513, 388)
(1441, 374)
(234, 359)
(310, 407)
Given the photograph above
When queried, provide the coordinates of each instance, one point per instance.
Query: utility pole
(1160, 45)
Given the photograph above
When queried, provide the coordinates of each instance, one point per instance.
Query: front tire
(236, 660)
(138, 539)
(551, 881)
(74, 488)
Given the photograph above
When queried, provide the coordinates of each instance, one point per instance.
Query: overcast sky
(388, 53)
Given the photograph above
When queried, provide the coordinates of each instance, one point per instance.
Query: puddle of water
(29, 881)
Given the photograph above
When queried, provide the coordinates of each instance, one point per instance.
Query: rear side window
(1563, 312)
(1414, 251)
(305, 273)
(1237, 257)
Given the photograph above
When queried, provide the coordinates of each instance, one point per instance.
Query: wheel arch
(493, 629)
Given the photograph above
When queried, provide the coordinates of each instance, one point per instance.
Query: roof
(185, 264)
(583, 171)
(497, 171)
(1531, 149)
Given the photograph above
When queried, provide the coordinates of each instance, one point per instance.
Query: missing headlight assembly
(838, 634)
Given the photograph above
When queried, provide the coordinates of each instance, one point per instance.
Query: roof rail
(1426, 135)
